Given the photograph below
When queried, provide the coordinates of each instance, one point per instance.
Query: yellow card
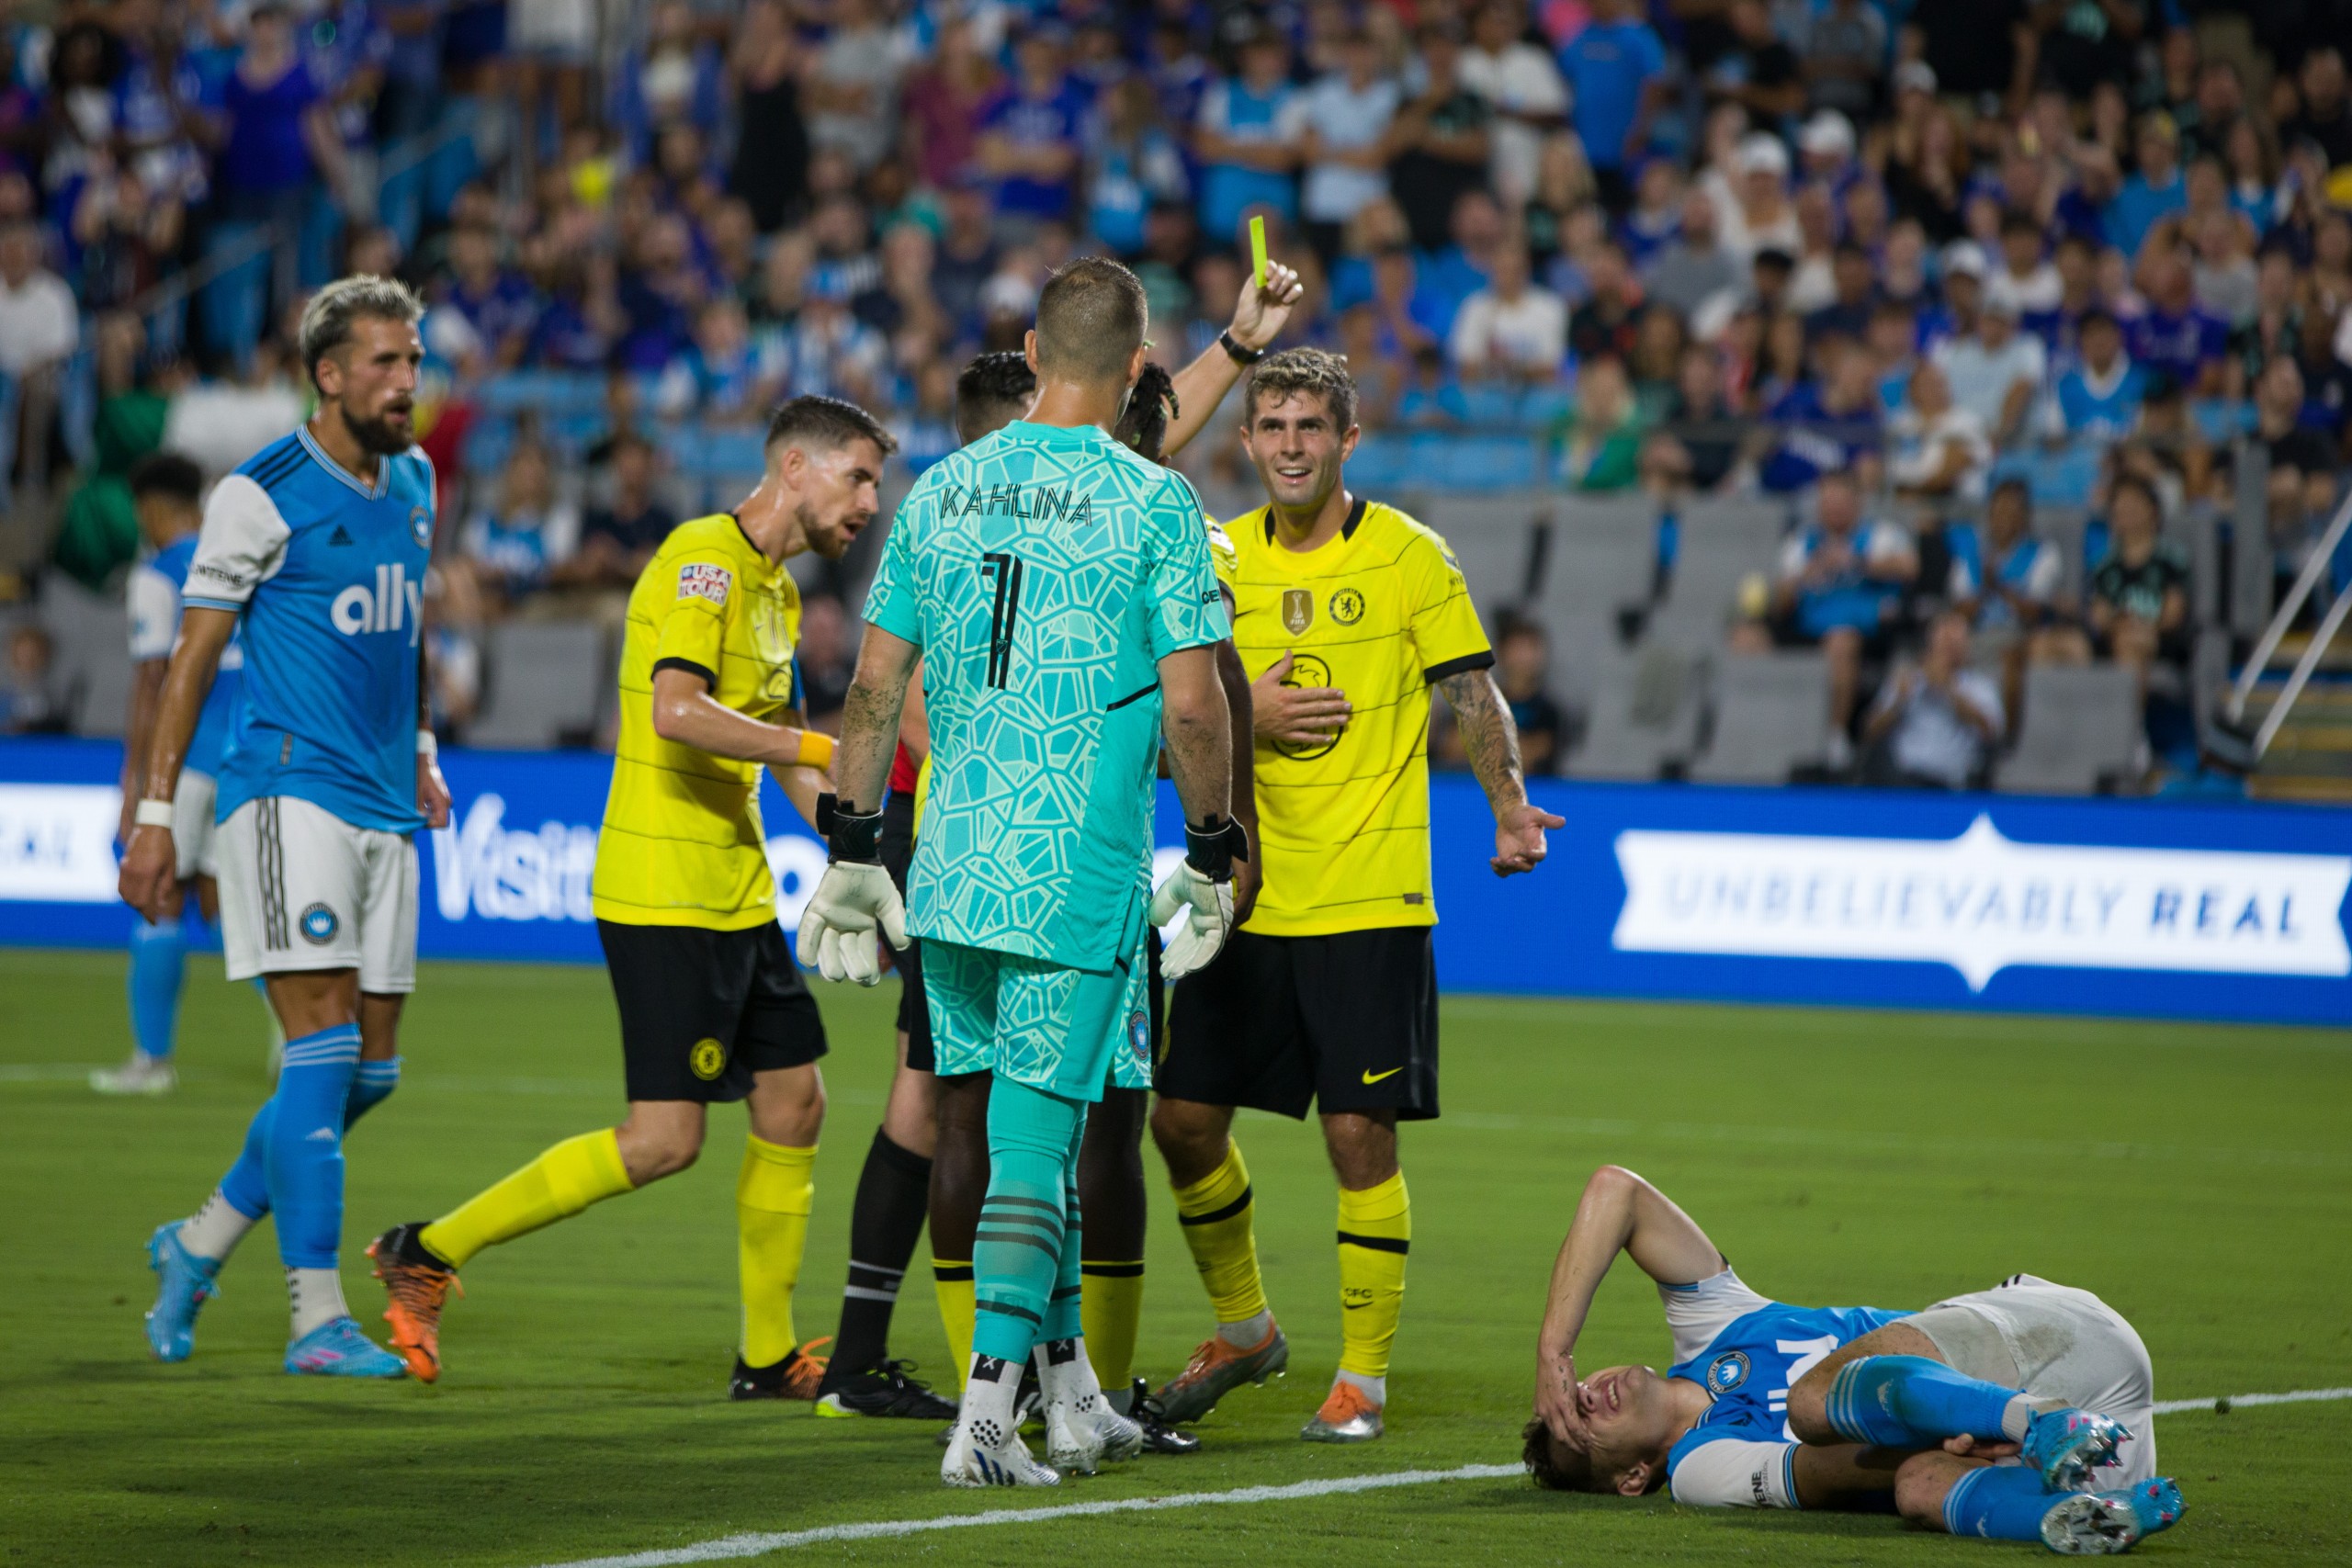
(1257, 250)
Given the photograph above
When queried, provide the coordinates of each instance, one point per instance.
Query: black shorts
(897, 852)
(1346, 1022)
(702, 1010)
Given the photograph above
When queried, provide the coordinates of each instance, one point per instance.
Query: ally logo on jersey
(394, 601)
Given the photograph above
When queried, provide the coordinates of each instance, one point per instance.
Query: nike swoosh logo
(1375, 1078)
(1354, 1306)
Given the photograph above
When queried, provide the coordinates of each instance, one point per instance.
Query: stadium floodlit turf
(2201, 1178)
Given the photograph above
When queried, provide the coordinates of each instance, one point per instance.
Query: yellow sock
(559, 1184)
(1110, 1310)
(952, 1279)
(1215, 1214)
(1375, 1232)
(772, 1197)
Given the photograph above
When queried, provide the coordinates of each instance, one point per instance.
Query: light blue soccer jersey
(154, 597)
(1045, 572)
(1747, 1351)
(328, 574)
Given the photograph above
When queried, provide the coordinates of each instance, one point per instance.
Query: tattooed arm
(870, 718)
(1492, 742)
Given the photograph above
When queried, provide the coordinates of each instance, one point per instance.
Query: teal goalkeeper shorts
(1060, 1030)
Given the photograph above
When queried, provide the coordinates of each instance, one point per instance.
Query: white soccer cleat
(982, 1453)
(140, 1075)
(1080, 1438)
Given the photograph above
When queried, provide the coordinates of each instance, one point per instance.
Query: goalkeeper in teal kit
(1059, 591)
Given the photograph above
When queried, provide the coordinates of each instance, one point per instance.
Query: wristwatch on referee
(1235, 352)
(1213, 847)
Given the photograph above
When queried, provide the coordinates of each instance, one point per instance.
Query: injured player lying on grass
(2021, 1413)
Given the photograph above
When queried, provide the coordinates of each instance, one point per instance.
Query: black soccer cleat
(1158, 1436)
(883, 1389)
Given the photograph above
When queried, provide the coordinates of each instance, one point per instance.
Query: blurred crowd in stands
(1915, 265)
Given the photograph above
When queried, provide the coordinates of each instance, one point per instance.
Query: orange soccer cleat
(418, 1285)
(1216, 1369)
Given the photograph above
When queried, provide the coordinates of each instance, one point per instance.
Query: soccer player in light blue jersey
(2021, 1413)
(1057, 588)
(167, 492)
(314, 554)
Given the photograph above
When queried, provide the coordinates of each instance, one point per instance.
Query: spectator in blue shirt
(280, 134)
(1826, 429)
(1616, 72)
(1247, 140)
(1030, 142)
(2096, 397)
(2174, 336)
(501, 306)
(2153, 190)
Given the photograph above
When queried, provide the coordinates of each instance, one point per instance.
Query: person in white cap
(1997, 371)
(1761, 214)
(1826, 144)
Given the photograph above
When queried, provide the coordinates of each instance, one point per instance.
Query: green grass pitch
(2201, 1178)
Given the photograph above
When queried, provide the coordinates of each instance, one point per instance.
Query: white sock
(1068, 1381)
(1249, 1332)
(214, 1230)
(317, 1298)
(986, 1413)
(1375, 1389)
(2018, 1414)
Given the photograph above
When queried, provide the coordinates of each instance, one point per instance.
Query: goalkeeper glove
(1203, 889)
(855, 899)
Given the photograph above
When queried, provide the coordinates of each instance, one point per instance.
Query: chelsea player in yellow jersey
(1346, 613)
(712, 1008)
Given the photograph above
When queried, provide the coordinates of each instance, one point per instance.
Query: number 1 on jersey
(1006, 568)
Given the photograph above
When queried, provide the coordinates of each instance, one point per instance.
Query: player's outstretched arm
(1492, 742)
(1258, 317)
(148, 881)
(1619, 1213)
(685, 712)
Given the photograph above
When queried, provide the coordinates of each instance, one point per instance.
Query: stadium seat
(90, 634)
(2080, 726)
(2063, 526)
(1643, 712)
(1494, 538)
(545, 677)
(1720, 543)
(1771, 715)
(1600, 558)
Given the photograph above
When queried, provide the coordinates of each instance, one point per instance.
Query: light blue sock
(247, 1184)
(370, 1086)
(303, 1149)
(158, 957)
(1017, 1249)
(1999, 1503)
(1062, 1309)
(1910, 1401)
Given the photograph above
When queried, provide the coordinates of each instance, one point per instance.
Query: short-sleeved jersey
(1380, 612)
(1747, 1351)
(1045, 572)
(682, 844)
(327, 572)
(152, 597)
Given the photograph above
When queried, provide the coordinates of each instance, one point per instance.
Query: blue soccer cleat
(2100, 1524)
(2065, 1445)
(338, 1349)
(187, 1283)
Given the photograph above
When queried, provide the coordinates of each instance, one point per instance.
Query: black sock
(885, 1223)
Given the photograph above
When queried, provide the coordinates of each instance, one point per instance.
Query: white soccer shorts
(195, 842)
(2059, 1343)
(300, 888)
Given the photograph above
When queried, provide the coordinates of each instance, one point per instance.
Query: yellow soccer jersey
(1221, 557)
(1380, 613)
(681, 844)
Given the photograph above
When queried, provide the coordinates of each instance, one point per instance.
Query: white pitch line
(2293, 1396)
(728, 1547)
(734, 1547)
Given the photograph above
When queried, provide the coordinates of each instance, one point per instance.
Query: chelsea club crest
(1726, 1371)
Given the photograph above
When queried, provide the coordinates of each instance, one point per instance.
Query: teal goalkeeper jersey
(1044, 572)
